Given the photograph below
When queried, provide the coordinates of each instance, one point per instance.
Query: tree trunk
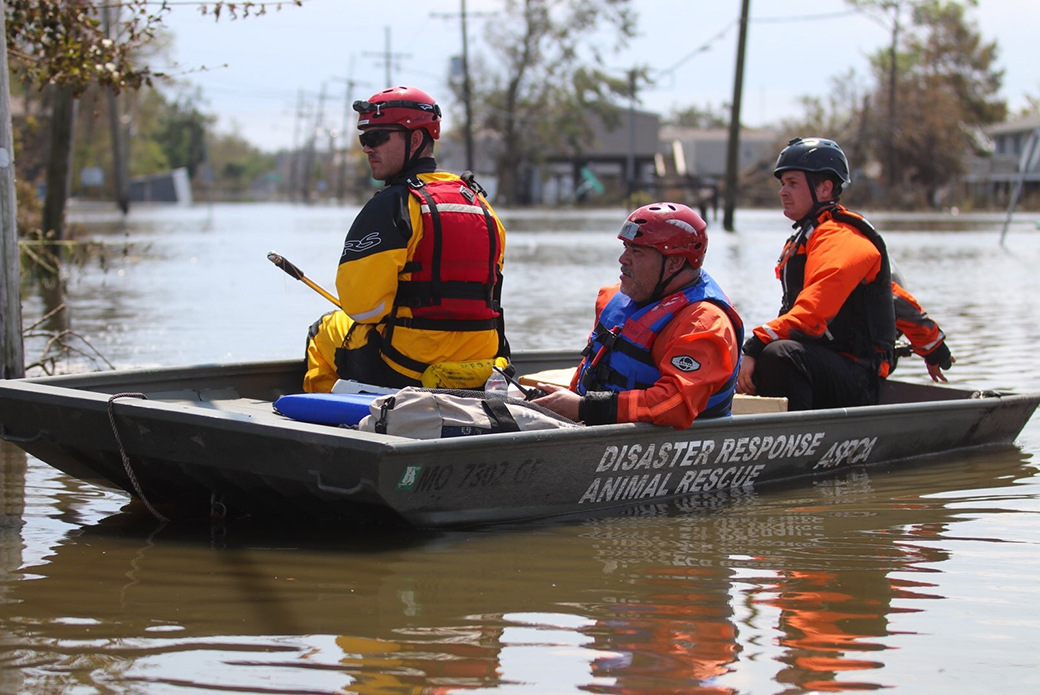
(12, 350)
(120, 157)
(120, 171)
(59, 164)
(891, 173)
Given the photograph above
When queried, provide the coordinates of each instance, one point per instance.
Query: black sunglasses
(375, 138)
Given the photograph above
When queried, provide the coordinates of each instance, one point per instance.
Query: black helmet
(816, 155)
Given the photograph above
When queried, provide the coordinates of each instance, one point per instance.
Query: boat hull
(204, 440)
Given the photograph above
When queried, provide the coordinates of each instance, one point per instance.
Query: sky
(252, 72)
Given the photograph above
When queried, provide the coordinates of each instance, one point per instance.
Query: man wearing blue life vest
(666, 346)
(420, 273)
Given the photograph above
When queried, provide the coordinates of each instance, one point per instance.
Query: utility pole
(386, 50)
(467, 85)
(733, 149)
(466, 90)
(341, 183)
(890, 169)
(12, 349)
(294, 155)
(387, 57)
(308, 160)
(630, 162)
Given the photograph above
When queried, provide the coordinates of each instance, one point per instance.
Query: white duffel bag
(423, 414)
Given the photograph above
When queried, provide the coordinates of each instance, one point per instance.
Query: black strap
(501, 419)
(605, 336)
(632, 350)
(614, 343)
(419, 293)
(402, 359)
(438, 243)
(470, 180)
(384, 410)
(492, 252)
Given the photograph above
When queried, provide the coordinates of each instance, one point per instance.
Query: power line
(806, 17)
(707, 45)
(700, 49)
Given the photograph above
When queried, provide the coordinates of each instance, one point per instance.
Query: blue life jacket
(618, 358)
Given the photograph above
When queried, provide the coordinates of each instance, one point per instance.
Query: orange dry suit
(666, 362)
(419, 279)
(837, 291)
(924, 334)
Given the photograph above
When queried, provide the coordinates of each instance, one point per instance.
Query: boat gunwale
(54, 392)
(384, 458)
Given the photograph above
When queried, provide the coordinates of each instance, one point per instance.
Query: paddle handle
(285, 265)
(295, 272)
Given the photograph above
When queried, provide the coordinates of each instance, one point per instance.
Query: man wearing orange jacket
(834, 340)
(666, 346)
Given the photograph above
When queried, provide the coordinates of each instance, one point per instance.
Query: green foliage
(146, 110)
(838, 115)
(147, 157)
(947, 86)
(182, 135)
(948, 53)
(933, 88)
(236, 165)
(28, 211)
(168, 133)
(52, 42)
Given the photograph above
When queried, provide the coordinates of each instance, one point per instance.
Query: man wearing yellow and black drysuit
(833, 343)
(420, 274)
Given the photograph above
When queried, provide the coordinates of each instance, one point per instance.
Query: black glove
(940, 356)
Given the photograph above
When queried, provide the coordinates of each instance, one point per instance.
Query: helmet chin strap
(810, 217)
(411, 158)
(662, 283)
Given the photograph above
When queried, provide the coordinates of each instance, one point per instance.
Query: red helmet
(671, 228)
(409, 107)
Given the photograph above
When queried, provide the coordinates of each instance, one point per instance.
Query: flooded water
(923, 579)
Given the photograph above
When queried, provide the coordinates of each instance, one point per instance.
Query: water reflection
(801, 584)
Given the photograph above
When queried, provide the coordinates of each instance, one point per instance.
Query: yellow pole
(295, 272)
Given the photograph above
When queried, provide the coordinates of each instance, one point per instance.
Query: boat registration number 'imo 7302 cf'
(638, 471)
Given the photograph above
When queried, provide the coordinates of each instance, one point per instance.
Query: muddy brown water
(919, 579)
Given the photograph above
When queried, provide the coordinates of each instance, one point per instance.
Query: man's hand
(560, 400)
(745, 384)
(935, 370)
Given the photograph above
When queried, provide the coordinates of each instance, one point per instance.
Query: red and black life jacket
(455, 282)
